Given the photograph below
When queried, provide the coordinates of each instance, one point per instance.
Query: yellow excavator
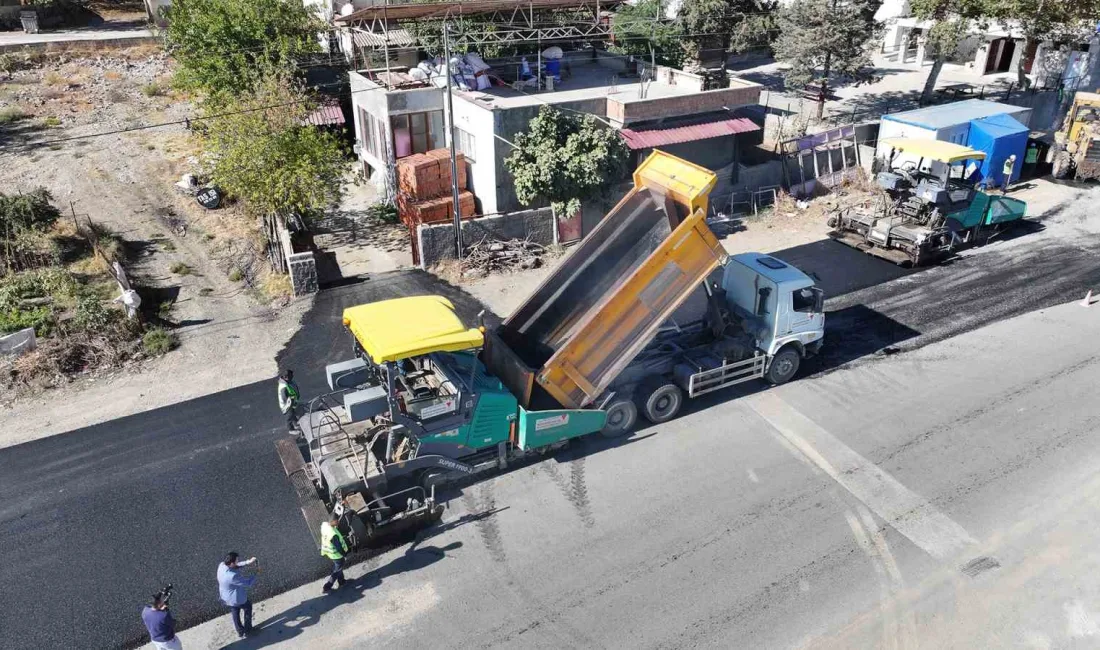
(1077, 144)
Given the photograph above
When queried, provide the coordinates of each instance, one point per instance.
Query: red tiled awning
(648, 138)
(326, 115)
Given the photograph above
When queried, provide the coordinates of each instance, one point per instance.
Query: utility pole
(451, 139)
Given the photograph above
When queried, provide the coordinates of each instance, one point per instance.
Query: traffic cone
(1088, 299)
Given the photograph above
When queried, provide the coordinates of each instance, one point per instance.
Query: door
(804, 311)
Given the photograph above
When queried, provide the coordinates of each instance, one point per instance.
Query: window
(417, 133)
(371, 134)
(464, 142)
(804, 300)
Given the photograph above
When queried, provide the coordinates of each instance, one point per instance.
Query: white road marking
(906, 511)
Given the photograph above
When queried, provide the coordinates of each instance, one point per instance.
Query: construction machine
(929, 205)
(1077, 145)
(645, 312)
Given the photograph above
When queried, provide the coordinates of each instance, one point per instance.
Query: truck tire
(1063, 165)
(621, 418)
(659, 400)
(784, 366)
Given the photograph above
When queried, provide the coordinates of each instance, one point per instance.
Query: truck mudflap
(302, 479)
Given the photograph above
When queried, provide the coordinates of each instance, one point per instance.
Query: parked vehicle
(1077, 144)
(930, 207)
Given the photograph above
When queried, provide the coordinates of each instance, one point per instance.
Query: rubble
(487, 257)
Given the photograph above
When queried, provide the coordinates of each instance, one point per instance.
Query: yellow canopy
(947, 152)
(390, 330)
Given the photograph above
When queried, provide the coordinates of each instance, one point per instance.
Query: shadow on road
(289, 624)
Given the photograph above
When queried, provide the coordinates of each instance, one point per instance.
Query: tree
(941, 42)
(258, 148)
(823, 40)
(641, 30)
(220, 44)
(566, 159)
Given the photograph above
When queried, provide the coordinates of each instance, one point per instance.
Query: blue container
(999, 136)
(553, 69)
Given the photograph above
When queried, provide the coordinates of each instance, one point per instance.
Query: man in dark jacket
(162, 627)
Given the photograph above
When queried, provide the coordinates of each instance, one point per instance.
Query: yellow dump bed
(606, 300)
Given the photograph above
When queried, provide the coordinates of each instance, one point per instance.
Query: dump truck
(645, 312)
(1076, 148)
(929, 206)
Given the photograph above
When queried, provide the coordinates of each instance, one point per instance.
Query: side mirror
(762, 301)
(819, 300)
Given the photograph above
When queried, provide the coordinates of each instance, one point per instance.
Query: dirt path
(181, 255)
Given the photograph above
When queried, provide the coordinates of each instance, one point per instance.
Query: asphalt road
(98, 518)
(95, 520)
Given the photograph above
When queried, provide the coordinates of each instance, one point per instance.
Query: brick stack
(424, 191)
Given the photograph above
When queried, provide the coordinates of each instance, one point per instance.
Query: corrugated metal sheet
(645, 139)
(326, 115)
(468, 8)
(371, 40)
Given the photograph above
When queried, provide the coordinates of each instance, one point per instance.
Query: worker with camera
(158, 620)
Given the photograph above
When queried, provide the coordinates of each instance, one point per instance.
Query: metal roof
(391, 38)
(773, 268)
(326, 115)
(955, 113)
(471, 8)
(656, 137)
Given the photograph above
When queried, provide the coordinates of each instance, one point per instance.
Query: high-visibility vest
(328, 549)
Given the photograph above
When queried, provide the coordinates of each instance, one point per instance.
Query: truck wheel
(783, 367)
(659, 400)
(621, 417)
(1063, 165)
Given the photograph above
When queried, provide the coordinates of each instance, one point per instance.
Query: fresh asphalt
(95, 520)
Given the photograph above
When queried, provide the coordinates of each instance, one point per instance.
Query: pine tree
(826, 41)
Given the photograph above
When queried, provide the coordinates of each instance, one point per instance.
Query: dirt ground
(180, 255)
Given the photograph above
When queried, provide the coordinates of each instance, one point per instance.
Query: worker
(1006, 172)
(162, 627)
(288, 400)
(233, 588)
(335, 548)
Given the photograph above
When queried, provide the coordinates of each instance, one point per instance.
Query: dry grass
(277, 287)
(112, 75)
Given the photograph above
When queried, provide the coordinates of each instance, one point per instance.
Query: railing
(725, 375)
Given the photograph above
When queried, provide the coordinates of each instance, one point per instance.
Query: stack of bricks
(424, 188)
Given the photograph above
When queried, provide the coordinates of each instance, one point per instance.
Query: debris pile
(487, 257)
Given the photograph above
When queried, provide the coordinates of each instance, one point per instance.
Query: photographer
(158, 620)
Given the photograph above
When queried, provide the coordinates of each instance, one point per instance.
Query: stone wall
(437, 241)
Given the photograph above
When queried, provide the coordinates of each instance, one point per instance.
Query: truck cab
(776, 301)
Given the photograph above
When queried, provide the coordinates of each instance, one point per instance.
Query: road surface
(99, 518)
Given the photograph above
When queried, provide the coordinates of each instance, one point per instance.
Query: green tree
(825, 40)
(641, 30)
(566, 159)
(258, 148)
(220, 44)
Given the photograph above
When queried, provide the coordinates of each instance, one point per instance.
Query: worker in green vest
(1006, 172)
(288, 400)
(335, 548)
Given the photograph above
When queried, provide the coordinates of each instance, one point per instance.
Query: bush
(235, 275)
(159, 341)
(9, 115)
(92, 315)
(51, 122)
(383, 212)
(152, 90)
(14, 319)
(179, 268)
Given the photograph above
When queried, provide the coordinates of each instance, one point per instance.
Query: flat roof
(947, 152)
(585, 82)
(391, 330)
(945, 115)
(773, 268)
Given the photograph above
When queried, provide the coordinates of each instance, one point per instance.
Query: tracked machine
(928, 206)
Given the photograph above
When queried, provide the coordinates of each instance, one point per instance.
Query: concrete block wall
(437, 243)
